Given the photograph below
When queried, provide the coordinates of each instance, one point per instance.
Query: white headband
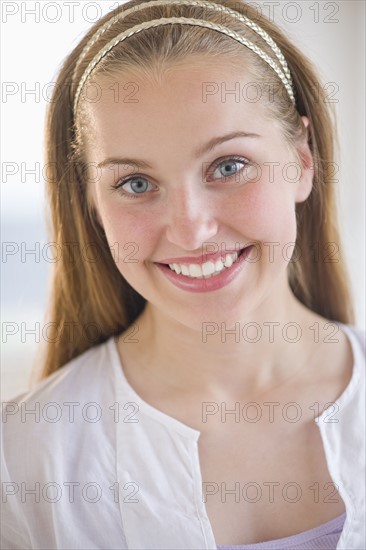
(280, 69)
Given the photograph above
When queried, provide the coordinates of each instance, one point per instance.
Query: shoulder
(58, 441)
(357, 340)
(57, 410)
(78, 379)
(352, 402)
(360, 336)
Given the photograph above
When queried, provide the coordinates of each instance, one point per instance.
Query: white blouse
(86, 463)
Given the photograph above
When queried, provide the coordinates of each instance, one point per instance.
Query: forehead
(181, 103)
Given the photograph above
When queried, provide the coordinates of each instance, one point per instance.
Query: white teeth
(195, 270)
(219, 266)
(207, 269)
(228, 261)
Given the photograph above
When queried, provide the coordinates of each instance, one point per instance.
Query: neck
(261, 350)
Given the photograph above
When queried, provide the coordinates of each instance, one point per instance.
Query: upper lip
(207, 257)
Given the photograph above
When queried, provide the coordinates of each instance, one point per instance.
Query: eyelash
(118, 186)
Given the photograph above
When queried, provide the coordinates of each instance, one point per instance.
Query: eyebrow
(202, 150)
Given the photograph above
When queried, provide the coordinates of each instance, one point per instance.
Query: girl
(203, 386)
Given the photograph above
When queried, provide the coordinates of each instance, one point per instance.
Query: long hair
(90, 300)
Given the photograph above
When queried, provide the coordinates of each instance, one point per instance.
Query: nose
(190, 218)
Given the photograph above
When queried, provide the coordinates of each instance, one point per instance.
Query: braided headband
(281, 70)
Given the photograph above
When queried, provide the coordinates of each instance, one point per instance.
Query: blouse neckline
(193, 434)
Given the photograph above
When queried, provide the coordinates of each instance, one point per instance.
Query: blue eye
(228, 166)
(137, 184)
(133, 186)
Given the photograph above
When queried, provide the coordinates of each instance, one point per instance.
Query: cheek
(130, 235)
(264, 211)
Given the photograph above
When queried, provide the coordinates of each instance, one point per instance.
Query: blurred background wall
(36, 37)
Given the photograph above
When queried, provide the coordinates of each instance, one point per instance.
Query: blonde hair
(90, 300)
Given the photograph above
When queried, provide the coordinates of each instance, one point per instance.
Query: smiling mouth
(207, 269)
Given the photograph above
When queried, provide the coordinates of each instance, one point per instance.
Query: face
(181, 202)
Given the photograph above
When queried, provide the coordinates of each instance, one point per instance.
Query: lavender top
(323, 537)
